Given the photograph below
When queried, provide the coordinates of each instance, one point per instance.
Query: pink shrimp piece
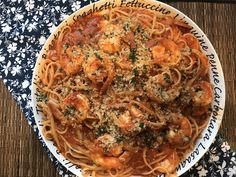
(166, 52)
(202, 93)
(72, 60)
(80, 102)
(158, 88)
(181, 132)
(191, 41)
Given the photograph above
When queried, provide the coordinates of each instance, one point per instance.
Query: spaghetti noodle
(124, 92)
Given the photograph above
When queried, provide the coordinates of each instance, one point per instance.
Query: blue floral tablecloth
(24, 27)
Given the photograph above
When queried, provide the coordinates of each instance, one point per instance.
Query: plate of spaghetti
(128, 88)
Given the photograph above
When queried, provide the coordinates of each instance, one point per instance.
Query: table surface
(21, 154)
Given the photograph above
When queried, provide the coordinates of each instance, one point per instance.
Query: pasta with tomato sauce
(124, 92)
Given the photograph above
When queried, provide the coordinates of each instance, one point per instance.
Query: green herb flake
(98, 56)
(65, 46)
(161, 89)
(144, 68)
(142, 84)
(141, 125)
(135, 71)
(133, 80)
(42, 97)
(119, 138)
(132, 55)
(101, 131)
(69, 111)
(145, 36)
(167, 78)
(139, 29)
(119, 78)
(126, 27)
(149, 139)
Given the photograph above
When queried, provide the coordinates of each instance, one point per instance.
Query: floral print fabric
(24, 27)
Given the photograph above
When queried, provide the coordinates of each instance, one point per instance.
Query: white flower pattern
(232, 171)
(24, 28)
(203, 172)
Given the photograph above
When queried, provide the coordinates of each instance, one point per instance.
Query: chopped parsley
(135, 71)
(145, 36)
(190, 50)
(139, 29)
(148, 138)
(119, 138)
(144, 68)
(101, 131)
(141, 125)
(42, 97)
(69, 111)
(132, 55)
(98, 56)
(167, 78)
(119, 78)
(160, 89)
(126, 27)
(133, 80)
(65, 46)
(142, 84)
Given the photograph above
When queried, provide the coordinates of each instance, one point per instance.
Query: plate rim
(173, 9)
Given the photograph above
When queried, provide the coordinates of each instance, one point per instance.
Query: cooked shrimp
(95, 70)
(159, 88)
(101, 73)
(191, 41)
(72, 60)
(107, 143)
(125, 122)
(169, 164)
(106, 162)
(124, 157)
(166, 52)
(110, 43)
(129, 120)
(135, 112)
(204, 64)
(202, 93)
(80, 102)
(158, 52)
(106, 151)
(124, 63)
(180, 130)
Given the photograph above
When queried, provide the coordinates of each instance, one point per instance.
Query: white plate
(216, 78)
